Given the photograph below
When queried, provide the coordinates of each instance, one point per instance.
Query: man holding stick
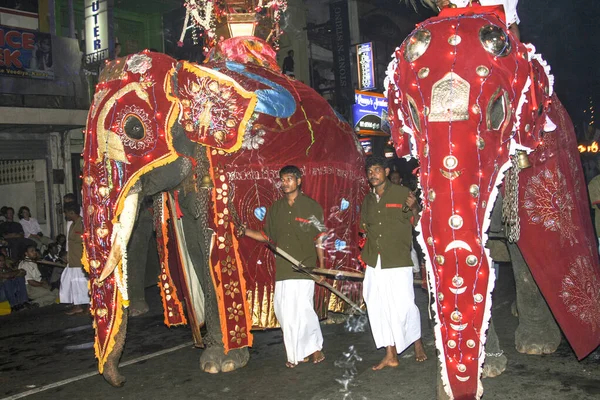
(295, 224)
(387, 216)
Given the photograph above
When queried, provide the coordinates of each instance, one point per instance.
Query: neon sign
(592, 148)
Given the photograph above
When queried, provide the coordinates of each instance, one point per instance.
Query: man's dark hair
(290, 169)
(3, 210)
(10, 208)
(290, 52)
(72, 207)
(20, 213)
(31, 246)
(376, 160)
(69, 197)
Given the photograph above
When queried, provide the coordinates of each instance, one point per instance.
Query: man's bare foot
(318, 356)
(75, 310)
(290, 365)
(388, 361)
(420, 355)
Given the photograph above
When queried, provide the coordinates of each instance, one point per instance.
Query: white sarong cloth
(390, 299)
(415, 260)
(294, 309)
(74, 286)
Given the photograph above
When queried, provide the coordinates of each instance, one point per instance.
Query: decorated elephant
(206, 143)
(476, 106)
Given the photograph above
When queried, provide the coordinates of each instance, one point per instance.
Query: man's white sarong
(74, 287)
(393, 314)
(294, 309)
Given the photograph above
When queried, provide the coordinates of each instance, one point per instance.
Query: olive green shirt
(388, 228)
(75, 243)
(295, 229)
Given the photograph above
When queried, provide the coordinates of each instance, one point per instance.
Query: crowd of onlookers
(32, 265)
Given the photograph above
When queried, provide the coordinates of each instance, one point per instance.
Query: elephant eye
(134, 127)
(497, 110)
(494, 40)
(417, 45)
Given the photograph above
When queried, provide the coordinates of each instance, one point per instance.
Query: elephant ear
(211, 107)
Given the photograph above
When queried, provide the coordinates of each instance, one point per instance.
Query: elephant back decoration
(471, 102)
(229, 126)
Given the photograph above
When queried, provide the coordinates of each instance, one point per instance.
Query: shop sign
(369, 114)
(25, 54)
(97, 46)
(365, 65)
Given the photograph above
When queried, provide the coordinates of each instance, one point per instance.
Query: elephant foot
(494, 365)
(541, 341)
(235, 359)
(138, 307)
(113, 377)
(214, 360)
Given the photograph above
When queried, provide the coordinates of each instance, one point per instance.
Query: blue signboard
(25, 54)
(366, 70)
(370, 114)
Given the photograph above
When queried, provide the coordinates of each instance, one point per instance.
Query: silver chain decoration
(495, 354)
(510, 206)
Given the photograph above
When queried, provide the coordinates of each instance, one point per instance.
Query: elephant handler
(295, 224)
(388, 213)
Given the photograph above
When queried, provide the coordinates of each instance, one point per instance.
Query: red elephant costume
(464, 97)
(252, 120)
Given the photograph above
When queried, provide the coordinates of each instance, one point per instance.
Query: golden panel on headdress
(450, 99)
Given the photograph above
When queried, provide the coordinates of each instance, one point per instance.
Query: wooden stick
(302, 268)
(54, 264)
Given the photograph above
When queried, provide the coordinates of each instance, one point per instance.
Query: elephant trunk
(111, 367)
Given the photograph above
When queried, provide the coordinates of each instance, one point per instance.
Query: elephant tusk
(121, 234)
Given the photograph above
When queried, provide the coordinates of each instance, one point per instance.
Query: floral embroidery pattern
(580, 292)
(139, 64)
(548, 202)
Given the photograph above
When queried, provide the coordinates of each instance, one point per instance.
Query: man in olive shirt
(295, 224)
(387, 216)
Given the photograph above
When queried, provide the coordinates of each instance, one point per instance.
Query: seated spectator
(53, 255)
(3, 213)
(37, 289)
(31, 228)
(12, 286)
(61, 241)
(12, 232)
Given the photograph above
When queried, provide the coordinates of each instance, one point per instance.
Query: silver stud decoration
(455, 222)
(482, 71)
(456, 316)
(451, 344)
(461, 367)
(472, 260)
(471, 343)
(423, 72)
(430, 241)
(441, 296)
(440, 259)
(454, 40)
(480, 143)
(431, 195)
(474, 190)
(478, 298)
(458, 281)
(450, 162)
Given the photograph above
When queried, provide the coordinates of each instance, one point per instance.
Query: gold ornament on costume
(483, 204)
(450, 99)
(440, 296)
(102, 232)
(451, 344)
(426, 150)
(472, 260)
(456, 316)
(522, 160)
(88, 180)
(454, 40)
(470, 343)
(430, 241)
(494, 40)
(478, 298)
(482, 71)
(455, 221)
(474, 190)
(480, 143)
(206, 182)
(104, 191)
(423, 73)
(458, 281)
(417, 45)
(450, 175)
(431, 195)
(425, 111)
(95, 264)
(475, 109)
(101, 312)
(440, 259)
(461, 367)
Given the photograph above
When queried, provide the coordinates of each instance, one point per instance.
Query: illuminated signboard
(364, 61)
(592, 148)
(25, 54)
(370, 114)
(367, 146)
(96, 31)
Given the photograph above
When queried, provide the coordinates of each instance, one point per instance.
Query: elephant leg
(136, 266)
(111, 367)
(495, 360)
(537, 332)
(213, 359)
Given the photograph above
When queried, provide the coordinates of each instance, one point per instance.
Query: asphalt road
(46, 354)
